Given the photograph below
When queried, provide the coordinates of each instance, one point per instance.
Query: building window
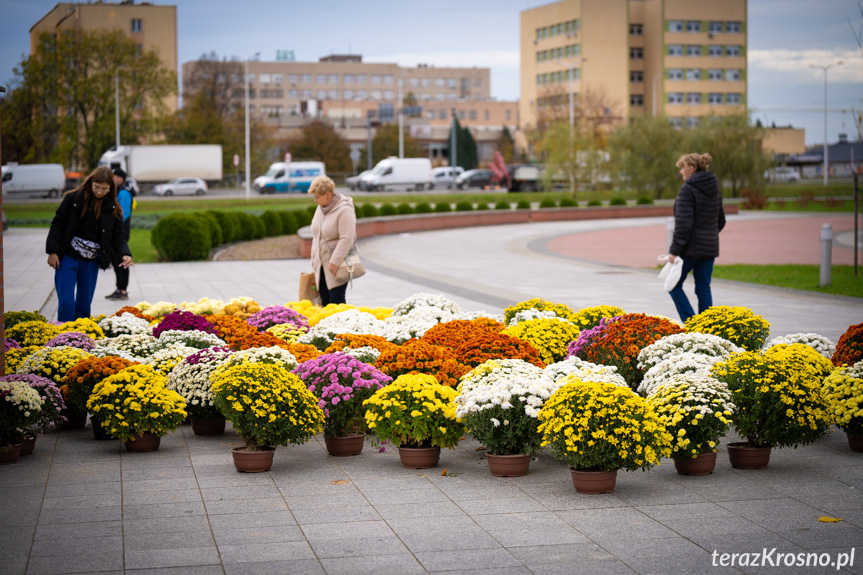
(733, 75)
(425, 96)
(714, 98)
(451, 83)
(636, 100)
(714, 74)
(692, 121)
(334, 94)
(293, 78)
(451, 97)
(293, 94)
(361, 94)
(636, 53)
(472, 115)
(426, 82)
(430, 114)
(636, 77)
(361, 78)
(278, 79)
(732, 27)
(508, 115)
(137, 24)
(278, 94)
(733, 51)
(388, 79)
(440, 97)
(675, 98)
(693, 98)
(693, 50)
(442, 115)
(220, 79)
(636, 30)
(388, 95)
(334, 78)
(265, 78)
(322, 94)
(675, 50)
(676, 122)
(235, 78)
(693, 25)
(306, 78)
(693, 74)
(714, 27)
(321, 78)
(376, 78)
(461, 114)
(675, 74)
(439, 82)
(264, 94)
(376, 94)
(733, 99)
(486, 115)
(348, 78)
(714, 51)
(307, 94)
(349, 94)
(413, 82)
(675, 25)
(251, 78)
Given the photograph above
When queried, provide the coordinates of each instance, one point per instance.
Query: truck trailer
(156, 164)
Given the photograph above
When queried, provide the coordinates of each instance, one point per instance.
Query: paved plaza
(77, 505)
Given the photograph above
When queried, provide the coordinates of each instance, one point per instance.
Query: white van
(444, 177)
(410, 173)
(43, 179)
(293, 177)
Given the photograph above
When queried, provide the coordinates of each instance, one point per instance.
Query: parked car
(474, 179)
(180, 186)
(782, 174)
(353, 182)
(445, 176)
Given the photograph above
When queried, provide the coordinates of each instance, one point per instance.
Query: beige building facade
(681, 59)
(152, 27)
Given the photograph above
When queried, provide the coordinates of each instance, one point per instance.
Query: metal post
(401, 123)
(653, 91)
(248, 137)
(369, 137)
(117, 105)
(2, 281)
(825, 168)
(452, 139)
(826, 254)
(856, 218)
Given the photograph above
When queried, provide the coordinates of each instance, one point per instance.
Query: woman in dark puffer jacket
(698, 219)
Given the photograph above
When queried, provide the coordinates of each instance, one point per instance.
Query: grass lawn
(795, 276)
(142, 248)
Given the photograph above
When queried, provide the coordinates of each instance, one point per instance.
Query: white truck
(156, 164)
(410, 173)
(293, 177)
(44, 179)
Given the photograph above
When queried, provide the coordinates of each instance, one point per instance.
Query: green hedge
(442, 207)
(181, 237)
(272, 223)
(568, 203)
(289, 222)
(404, 209)
(547, 203)
(502, 205)
(464, 207)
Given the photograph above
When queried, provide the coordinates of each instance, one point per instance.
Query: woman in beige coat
(334, 230)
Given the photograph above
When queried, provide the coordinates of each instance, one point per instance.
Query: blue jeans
(702, 269)
(73, 273)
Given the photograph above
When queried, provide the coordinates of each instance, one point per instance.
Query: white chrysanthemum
(164, 360)
(817, 342)
(709, 393)
(192, 338)
(426, 300)
(685, 343)
(677, 364)
(499, 382)
(351, 321)
(275, 355)
(125, 323)
(532, 313)
(365, 354)
(472, 315)
(585, 371)
(192, 380)
(139, 345)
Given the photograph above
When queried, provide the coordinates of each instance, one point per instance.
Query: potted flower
(598, 428)
(136, 407)
(486, 345)
(73, 339)
(538, 304)
(342, 383)
(418, 414)
(269, 406)
(739, 325)
(183, 320)
(681, 353)
(843, 391)
(696, 410)
(551, 336)
(277, 315)
(80, 381)
(52, 362)
(849, 348)
(499, 402)
(778, 398)
(453, 333)
(420, 357)
(51, 414)
(191, 379)
(20, 407)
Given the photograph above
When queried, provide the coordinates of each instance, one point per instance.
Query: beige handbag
(351, 267)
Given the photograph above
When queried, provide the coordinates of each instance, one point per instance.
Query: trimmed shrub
(482, 206)
(247, 226)
(259, 229)
(442, 207)
(547, 203)
(228, 224)
(568, 203)
(272, 223)
(370, 211)
(594, 203)
(423, 208)
(303, 217)
(644, 201)
(213, 226)
(617, 201)
(523, 205)
(388, 210)
(311, 211)
(181, 237)
(404, 209)
(289, 222)
(464, 206)
(502, 205)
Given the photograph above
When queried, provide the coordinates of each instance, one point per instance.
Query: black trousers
(334, 295)
(121, 272)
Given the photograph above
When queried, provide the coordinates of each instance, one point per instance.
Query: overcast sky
(785, 38)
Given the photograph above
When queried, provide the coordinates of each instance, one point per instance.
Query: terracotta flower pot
(703, 464)
(208, 425)
(508, 465)
(144, 442)
(419, 457)
(9, 453)
(855, 442)
(28, 444)
(593, 482)
(74, 420)
(742, 456)
(100, 432)
(253, 461)
(344, 446)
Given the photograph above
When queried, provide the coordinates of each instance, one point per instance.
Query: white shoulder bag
(670, 271)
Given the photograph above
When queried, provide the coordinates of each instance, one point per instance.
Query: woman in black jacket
(698, 219)
(86, 232)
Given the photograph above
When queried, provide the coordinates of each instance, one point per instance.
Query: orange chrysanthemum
(420, 357)
(354, 341)
(485, 346)
(452, 334)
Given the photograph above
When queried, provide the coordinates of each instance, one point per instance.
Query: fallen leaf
(825, 519)
(480, 448)
(340, 482)
(443, 473)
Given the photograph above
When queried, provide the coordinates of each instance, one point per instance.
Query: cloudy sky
(785, 37)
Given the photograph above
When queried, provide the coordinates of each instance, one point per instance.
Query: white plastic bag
(670, 272)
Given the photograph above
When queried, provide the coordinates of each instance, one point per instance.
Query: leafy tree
(645, 152)
(67, 93)
(567, 151)
(385, 143)
(506, 146)
(465, 146)
(320, 141)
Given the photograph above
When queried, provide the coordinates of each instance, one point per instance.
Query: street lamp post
(826, 68)
(653, 91)
(401, 122)
(248, 134)
(117, 104)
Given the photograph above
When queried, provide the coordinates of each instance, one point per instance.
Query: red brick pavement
(792, 240)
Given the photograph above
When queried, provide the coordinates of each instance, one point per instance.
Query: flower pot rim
(593, 470)
(346, 436)
(745, 445)
(713, 451)
(245, 449)
(487, 454)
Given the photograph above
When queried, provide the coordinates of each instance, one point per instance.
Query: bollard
(826, 253)
(669, 233)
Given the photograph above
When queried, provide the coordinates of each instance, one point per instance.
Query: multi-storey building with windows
(152, 27)
(681, 59)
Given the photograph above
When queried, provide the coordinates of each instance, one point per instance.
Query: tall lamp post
(826, 68)
(571, 74)
(117, 104)
(401, 122)
(248, 134)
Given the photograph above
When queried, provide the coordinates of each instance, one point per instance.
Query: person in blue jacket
(124, 197)
(698, 219)
(86, 234)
